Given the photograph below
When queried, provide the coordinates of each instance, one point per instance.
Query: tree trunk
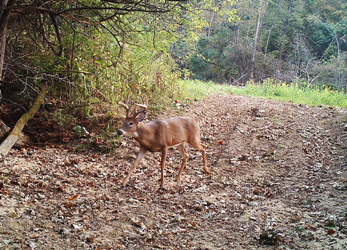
(262, 10)
(210, 25)
(5, 12)
(12, 138)
(256, 36)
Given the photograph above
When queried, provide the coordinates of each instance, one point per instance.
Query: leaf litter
(278, 181)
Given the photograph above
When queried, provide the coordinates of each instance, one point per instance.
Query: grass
(295, 93)
(193, 89)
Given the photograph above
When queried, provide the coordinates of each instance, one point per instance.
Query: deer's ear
(140, 117)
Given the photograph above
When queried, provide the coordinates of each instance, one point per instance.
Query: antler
(125, 106)
(139, 105)
(142, 106)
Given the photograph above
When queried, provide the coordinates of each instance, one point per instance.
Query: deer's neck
(142, 132)
(145, 136)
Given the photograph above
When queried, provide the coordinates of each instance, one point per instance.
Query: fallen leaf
(90, 239)
(312, 227)
(35, 235)
(69, 204)
(74, 197)
(331, 231)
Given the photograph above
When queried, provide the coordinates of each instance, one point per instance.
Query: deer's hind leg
(162, 165)
(196, 143)
(185, 155)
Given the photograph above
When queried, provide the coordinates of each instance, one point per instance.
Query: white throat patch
(135, 134)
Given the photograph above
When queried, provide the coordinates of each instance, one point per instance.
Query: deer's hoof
(207, 171)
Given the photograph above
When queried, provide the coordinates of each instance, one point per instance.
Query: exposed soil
(278, 181)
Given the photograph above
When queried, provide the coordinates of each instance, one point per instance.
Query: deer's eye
(131, 124)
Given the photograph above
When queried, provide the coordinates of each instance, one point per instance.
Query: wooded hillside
(295, 40)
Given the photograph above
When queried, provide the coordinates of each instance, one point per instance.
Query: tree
(285, 40)
(6, 7)
(43, 39)
(261, 12)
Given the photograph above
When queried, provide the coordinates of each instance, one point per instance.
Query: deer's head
(130, 125)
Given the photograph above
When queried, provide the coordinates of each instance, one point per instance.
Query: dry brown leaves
(278, 181)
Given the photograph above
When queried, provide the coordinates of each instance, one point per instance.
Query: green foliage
(140, 71)
(201, 51)
(81, 131)
(297, 93)
(284, 40)
(97, 68)
(300, 92)
(94, 54)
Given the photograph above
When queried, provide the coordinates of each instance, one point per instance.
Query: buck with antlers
(159, 135)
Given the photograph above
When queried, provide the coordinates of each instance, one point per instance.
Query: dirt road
(278, 181)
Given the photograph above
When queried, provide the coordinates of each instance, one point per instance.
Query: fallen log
(22, 141)
(15, 134)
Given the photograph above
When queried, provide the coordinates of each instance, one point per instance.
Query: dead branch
(14, 135)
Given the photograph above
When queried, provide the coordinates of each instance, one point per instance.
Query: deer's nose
(120, 132)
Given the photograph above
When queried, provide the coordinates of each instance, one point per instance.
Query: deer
(160, 135)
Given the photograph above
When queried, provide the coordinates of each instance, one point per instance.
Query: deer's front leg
(139, 157)
(162, 165)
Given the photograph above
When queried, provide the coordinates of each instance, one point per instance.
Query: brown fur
(159, 135)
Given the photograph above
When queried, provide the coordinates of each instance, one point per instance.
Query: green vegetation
(283, 40)
(196, 89)
(294, 93)
(270, 89)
